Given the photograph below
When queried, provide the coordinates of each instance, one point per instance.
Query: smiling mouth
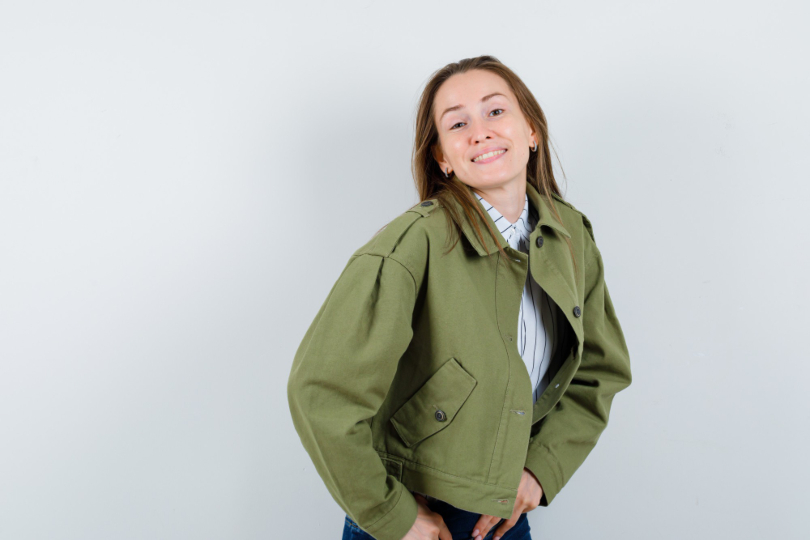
(488, 155)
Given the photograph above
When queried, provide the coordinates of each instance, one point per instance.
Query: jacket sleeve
(340, 376)
(570, 430)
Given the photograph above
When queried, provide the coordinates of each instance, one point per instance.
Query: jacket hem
(463, 493)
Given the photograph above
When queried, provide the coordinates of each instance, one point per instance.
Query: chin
(495, 178)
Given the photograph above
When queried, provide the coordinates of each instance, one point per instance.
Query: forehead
(468, 88)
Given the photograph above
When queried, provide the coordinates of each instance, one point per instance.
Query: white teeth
(489, 154)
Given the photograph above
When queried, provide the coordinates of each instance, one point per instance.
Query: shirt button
(577, 311)
(440, 416)
(539, 241)
(427, 203)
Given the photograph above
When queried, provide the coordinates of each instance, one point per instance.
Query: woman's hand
(428, 525)
(528, 498)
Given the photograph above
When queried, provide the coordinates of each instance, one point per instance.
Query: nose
(480, 132)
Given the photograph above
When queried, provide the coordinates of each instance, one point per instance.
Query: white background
(182, 182)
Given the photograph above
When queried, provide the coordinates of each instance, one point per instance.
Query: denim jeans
(460, 522)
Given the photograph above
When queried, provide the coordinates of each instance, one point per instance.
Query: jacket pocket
(435, 404)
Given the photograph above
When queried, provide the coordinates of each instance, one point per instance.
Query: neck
(507, 199)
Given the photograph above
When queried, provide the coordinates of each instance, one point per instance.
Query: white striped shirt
(538, 312)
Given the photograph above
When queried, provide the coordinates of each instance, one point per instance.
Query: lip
(489, 159)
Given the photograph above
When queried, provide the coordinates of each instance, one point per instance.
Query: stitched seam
(352, 524)
(500, 421)
(403, 233)
(439, 471)
(415, 290)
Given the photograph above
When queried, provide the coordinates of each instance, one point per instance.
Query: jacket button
(539, 241)
(577, 311)
(440, 416)
(427, 203)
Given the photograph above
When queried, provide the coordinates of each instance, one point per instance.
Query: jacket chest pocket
(435, 404)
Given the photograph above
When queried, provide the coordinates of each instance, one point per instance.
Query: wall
(182, 182)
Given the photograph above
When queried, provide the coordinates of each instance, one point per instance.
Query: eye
(492, 111)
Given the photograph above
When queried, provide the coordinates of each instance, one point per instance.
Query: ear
(438, 155)
(533, 136)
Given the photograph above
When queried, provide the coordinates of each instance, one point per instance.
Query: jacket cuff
(544, 466)
(398, 521)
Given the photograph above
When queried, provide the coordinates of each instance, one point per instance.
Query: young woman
(463, 365)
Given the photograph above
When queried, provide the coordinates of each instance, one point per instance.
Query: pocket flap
(435, 404)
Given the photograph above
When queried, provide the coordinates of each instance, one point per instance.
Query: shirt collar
(511, 232)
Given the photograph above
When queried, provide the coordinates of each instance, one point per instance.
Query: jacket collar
(545, 218)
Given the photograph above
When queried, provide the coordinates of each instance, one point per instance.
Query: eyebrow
(457, 107)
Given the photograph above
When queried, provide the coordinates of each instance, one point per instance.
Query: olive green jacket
(410, 379)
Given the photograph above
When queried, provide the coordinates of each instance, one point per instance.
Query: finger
(483, 525)
(505, 526)
(444, 532)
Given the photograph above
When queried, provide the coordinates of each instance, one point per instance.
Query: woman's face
(476, 113)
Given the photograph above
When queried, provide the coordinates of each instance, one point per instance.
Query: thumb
(444, 532)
